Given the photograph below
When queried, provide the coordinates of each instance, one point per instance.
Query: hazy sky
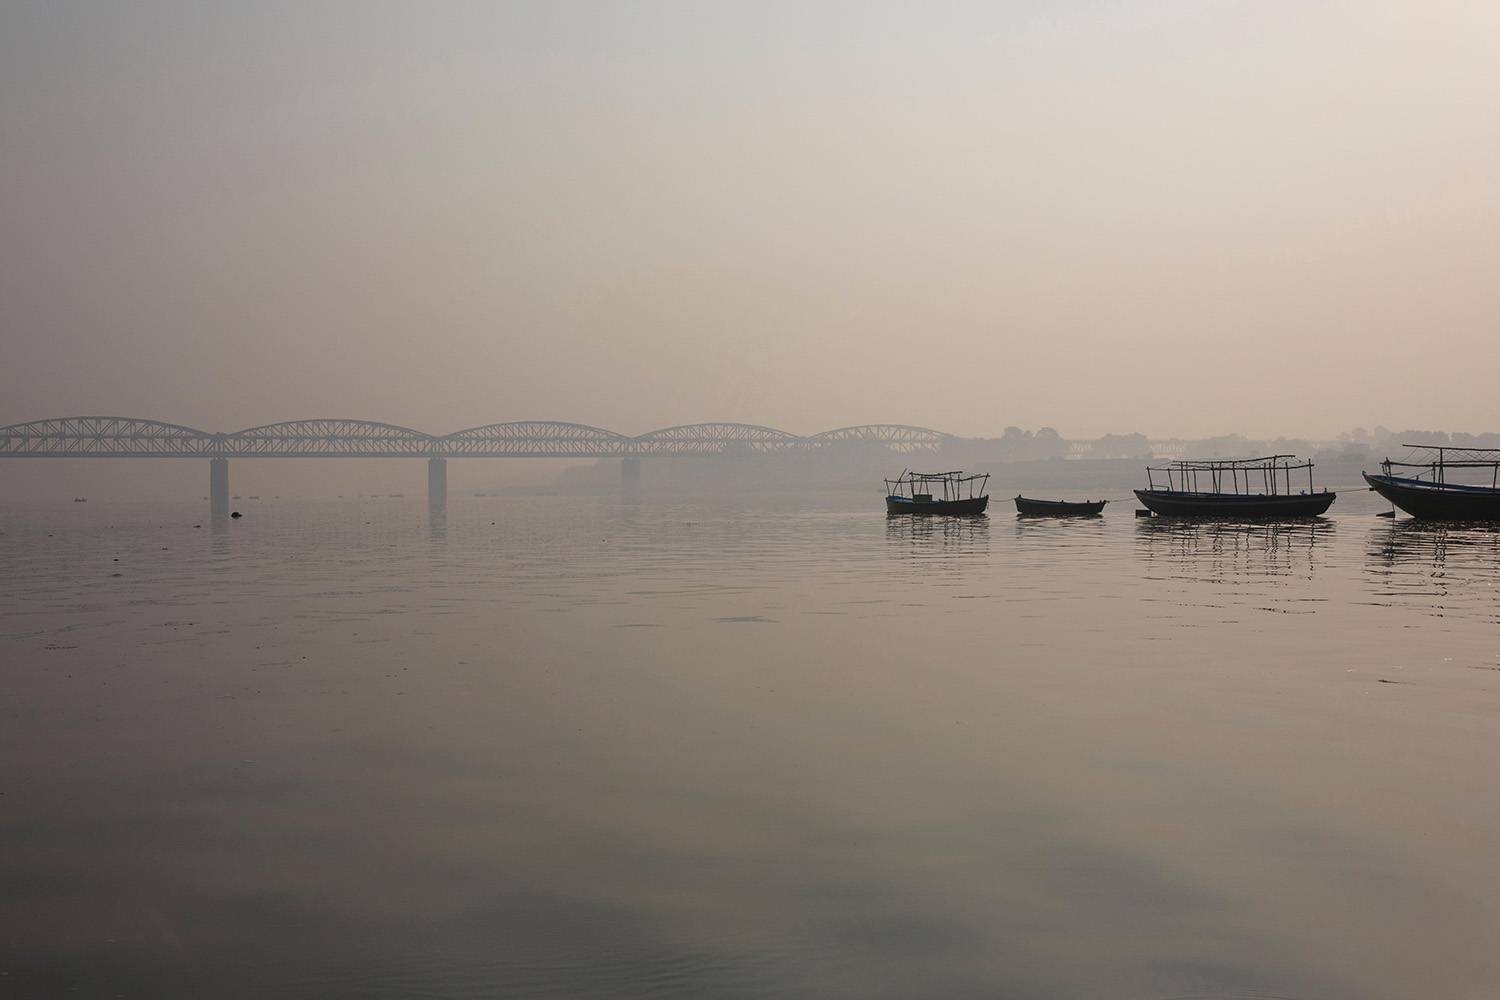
(1178, 218)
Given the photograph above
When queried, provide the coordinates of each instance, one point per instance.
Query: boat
(80, 499)
(1435, 498)
(1239, 488)
(936, 493)
(1059, 508)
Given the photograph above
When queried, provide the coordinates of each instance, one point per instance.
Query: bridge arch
(535, 438)
(899, 438)
(95, 437)
(711, 439)
(324, 438)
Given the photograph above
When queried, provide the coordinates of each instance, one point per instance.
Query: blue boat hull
(906, 505)
(1438, 501)
(1177, 503)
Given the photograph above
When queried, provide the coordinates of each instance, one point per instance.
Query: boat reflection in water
(916, 537)
(1438, 548)
(1440, 569)
(1219, 551)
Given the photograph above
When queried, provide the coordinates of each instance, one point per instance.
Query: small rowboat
(1059, 508)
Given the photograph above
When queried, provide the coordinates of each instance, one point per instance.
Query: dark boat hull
(1175, 503)
(906, 505)
(1059, 508)
(1438, 501)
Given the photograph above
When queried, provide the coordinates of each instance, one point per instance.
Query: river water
(744, 746)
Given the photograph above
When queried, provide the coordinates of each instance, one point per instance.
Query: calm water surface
(770, 746)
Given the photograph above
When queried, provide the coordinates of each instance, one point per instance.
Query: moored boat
(936, 493)
(1239, 488)
(1059, 508)
(1435, 498)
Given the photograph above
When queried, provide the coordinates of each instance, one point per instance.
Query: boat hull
(1059, 508)
(1438, 501)
(1176, 503)
(906, 505)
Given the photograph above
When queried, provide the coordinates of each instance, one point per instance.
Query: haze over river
(772, 745)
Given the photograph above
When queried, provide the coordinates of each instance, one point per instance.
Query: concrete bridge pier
(437, 482)
(218, 487)
(630, 478)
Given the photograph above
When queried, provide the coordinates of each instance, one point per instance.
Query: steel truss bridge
(128, 437)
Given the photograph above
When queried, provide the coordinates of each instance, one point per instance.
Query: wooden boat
(1238, 488)
(1434, 498)
(1059, 508)
(918, 493)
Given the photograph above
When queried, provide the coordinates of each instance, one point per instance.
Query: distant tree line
(1381, 439)
(1017, 445)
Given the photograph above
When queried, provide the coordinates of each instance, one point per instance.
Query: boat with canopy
(1443, 495)
(1250, 488)
(936, 493)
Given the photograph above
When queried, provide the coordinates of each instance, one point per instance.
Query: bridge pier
(218, 487)
(437, 481)
(630, 478)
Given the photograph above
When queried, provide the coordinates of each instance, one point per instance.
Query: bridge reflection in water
(128, 437)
